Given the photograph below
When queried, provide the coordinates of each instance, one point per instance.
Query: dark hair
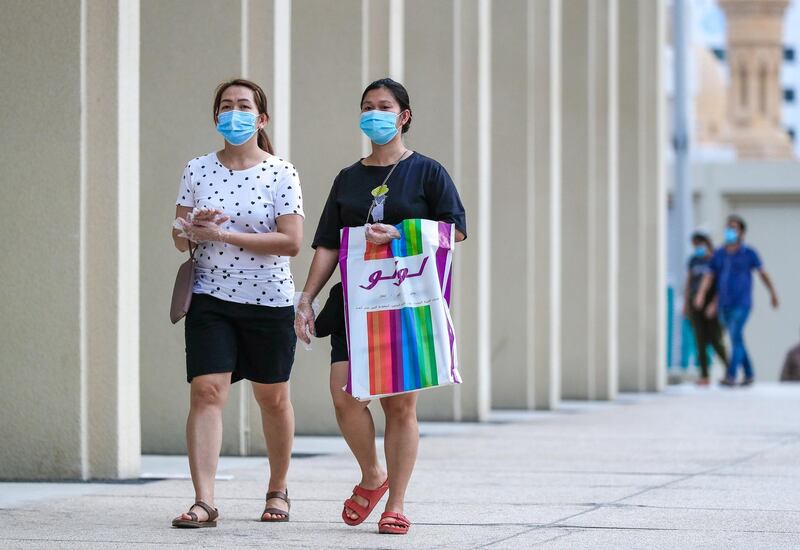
(261, 103)
(699, 236)
(400, 95)
(738, 220)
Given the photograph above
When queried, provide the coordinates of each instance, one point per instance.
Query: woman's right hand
(381, 233)
(304, 318)
(208, 215)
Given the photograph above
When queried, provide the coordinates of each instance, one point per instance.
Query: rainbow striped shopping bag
(397, 306)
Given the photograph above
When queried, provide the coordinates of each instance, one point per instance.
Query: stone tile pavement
(689, 468)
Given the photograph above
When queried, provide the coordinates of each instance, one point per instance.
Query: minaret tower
(755, 54)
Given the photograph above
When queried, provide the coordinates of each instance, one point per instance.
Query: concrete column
(243, 45)
(326, 86)
(544, 164)
(457, 77)
(589, 187)
(642, 360)
(523, 45)
(655, 196)
(375, 36)
(70, 387)
(604, 332)
(512, 367)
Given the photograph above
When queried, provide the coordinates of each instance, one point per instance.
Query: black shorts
(339, 348)
(252, 342)
(331, 321)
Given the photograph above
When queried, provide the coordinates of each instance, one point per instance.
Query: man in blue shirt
(731, 268)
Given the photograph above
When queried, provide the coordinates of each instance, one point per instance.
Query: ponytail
(264, 143)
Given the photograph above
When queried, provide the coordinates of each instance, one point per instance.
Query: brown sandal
(284, 496)
(213, 514)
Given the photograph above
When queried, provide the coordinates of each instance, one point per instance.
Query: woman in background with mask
(242, 207)
(707, 330)
(419, 187)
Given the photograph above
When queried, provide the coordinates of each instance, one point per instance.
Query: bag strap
(389, 175)
(192, 250)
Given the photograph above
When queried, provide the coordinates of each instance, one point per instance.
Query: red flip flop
(393, 523)
(372, 496)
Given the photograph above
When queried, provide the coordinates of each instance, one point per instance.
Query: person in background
(791, 365)
(731, 269)
(707, 330)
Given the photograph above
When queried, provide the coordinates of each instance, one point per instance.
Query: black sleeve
(443, 199)
(330, 222)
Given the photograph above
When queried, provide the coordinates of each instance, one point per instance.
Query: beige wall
(181, 64)
(70, 364)
(41, 270)
(326, 89)
(642, 197)
(589, 191)
(88, 296)
(510, 218)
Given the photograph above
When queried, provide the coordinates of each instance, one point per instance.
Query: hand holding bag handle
(182, 291)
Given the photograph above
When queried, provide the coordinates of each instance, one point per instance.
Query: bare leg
(277, 419)
(358, 429)
(204, 435)
(401, 442)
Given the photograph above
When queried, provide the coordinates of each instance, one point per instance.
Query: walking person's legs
(209, 393)
(358, 429)
(702, 340)
(716, 342)
(401, 443)
(748, 366)
(277, 420)
(735, 319)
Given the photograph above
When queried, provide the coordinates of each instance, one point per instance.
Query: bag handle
(389, 175)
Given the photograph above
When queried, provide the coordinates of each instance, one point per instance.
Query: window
(719, 53)
(789, 95)
(788, 54)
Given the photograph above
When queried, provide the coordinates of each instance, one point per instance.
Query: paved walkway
(684, 469)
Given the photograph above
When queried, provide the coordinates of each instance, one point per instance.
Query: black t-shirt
(698, 267)
(420, 187)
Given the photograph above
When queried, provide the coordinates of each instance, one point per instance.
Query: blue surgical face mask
(731, 236)
(236, 126)
(379, 126)
(700, 251)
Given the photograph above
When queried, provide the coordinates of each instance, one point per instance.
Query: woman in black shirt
(705, 323)
(419, 188)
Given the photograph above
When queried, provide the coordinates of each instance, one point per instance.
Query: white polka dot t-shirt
(253, 199)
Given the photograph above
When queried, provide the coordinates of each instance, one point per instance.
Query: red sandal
(372, 496)
(393, 523)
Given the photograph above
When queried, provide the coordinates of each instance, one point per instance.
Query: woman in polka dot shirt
(242, 207)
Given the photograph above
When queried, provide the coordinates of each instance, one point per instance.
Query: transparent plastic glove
(198, 215)
(305, 313)
(206, 215)
(381, 233)
(204, 232)
(179, 224)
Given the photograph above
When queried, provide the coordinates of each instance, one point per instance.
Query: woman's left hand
(381, 233)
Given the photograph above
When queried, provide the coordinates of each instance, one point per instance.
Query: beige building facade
(548, 114)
